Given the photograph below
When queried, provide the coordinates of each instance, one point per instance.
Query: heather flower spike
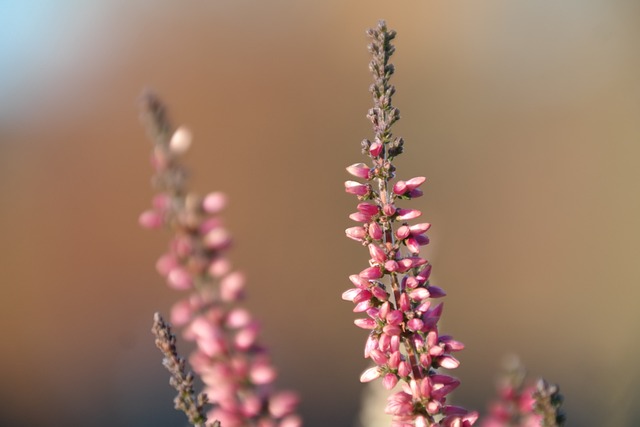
(394, 292)
(233, 365)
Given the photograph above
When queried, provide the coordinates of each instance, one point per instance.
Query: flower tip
(359, 170)
(370, 375)
(181, 140)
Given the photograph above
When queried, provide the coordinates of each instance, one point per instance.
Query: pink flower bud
(166, 263)
(404, 303)
(378, 356)
(415, 182)
(232, 287)
(368, 208)
(389, 381)
(289, 421)
(214, 202)
(419, 294)
(360, 217)
(375, 149)
(412, 245)
(403, 232)
(247, 336)
(377, 254)
(395, 317)
(262, 373)
(371, 273)
(181, 313)
(415, 324)
(359, 281)
(179, 278)
(219, 267)
(451, 344)
(407, 214)
(419, 228)
(366, 323)
(379, 293)
(389, 210)
(370, 374)
(356, 233)
(362, 306)
(375, 231)
(181, 140)
(392, 330)
(151, 219)
(350, 294)
(404, 369)
(411, 282)
(238, 318)
(209, 224)
(218, 238)
(448, 362)
(385, 308)
(400, 187)
(359, 170)
(391, 266)
(384, 342)
(423, 276)
(356, 188)
(283, 403)
(161, 202)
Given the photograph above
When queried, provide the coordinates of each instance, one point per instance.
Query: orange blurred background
(522, 114)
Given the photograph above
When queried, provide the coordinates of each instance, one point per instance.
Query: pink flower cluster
(394, 291)
(522, 404)
(235, 368)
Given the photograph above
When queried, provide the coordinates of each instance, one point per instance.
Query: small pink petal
(179, 278)
(389, 381)
(375, 231)
(360, 217)
(214, 202)
(389, 210)
(377, 253)
(368, 208)
(448, 362)
(366, 323)
(371, 273)
(415, 182)
(403, 232)
(151, 219)
(232, 287)
(407, 214)
(166, 263)
(356, 233)
(359, 170)
(400, 187)
(370, 374)
(375, 149)
(356, 188)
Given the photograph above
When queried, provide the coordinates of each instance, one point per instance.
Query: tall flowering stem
(394, 292)
(234, 367)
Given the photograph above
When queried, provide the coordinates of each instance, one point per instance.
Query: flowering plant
(394, 293)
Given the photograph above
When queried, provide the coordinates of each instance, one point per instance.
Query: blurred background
(522, 114)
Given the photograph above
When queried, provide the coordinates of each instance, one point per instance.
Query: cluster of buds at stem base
(234, 367)
(394, 292)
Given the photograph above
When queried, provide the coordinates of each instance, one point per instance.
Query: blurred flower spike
(229, 359)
